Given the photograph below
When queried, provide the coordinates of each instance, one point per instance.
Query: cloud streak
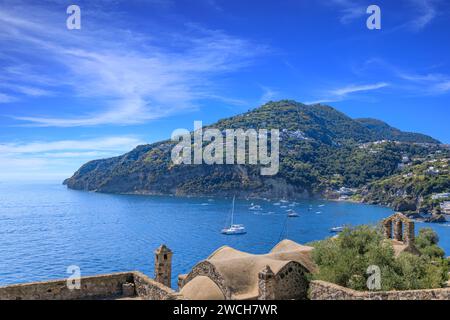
(268, 94)
(110, 144)
(349, 10)
(420, 12)
(57, 159)
(426, 13)
(429, 84)
(138, 79)
(406, 81)
(5, 98)
(358, 88)
(343, 93)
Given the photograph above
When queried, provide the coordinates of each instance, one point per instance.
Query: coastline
(415, 216)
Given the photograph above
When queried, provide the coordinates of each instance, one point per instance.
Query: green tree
(344, 260)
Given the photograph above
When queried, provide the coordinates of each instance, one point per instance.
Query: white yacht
(234, 229)
(292, 214)
(255, 207)
(337, 229)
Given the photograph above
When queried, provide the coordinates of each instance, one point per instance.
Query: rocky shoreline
(421, 215)
(410, 208)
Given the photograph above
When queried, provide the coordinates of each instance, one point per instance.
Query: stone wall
(149, 289)
(321, 290)
(96, 287)
(109, 286)
(291, 282)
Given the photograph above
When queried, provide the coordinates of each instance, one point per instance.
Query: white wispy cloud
(423, 82)
(268, 94)
(444, 86)
(26, 90)
(112, 144)
(348, 10)
(5, 98)
(358, 88)
(429, 77)
(138, 79)
(420, 13)
(343, 93)
(428, 83)
(58, 159)
(426, 12)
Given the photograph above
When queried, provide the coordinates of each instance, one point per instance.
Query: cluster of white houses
(445, 207)
(440, 196)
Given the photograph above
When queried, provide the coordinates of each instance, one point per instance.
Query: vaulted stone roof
(202, 288)
(236, 272)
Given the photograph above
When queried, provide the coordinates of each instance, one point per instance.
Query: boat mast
(232, 212)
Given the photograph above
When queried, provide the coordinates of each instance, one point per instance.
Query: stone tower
(163, 265)
(266, 284)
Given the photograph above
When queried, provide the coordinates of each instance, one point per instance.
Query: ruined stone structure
(402, 226)
(163, 265)
(401, 231)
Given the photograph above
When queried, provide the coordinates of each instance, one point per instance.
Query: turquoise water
(44, 228)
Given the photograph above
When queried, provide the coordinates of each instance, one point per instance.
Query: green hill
(386, 132)
(320, 149)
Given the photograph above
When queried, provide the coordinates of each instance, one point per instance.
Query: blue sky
(137, 70)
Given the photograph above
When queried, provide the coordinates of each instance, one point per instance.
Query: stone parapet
(321, 290)
(108, 286)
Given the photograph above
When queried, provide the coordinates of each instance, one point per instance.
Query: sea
(45, 228)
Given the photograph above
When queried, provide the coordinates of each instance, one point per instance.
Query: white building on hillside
(445, 207)
(440, 196)
(432, 171)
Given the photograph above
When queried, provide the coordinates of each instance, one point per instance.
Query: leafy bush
(344, 260)
(427, 243)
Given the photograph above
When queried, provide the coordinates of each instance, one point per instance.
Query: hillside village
(421, 183)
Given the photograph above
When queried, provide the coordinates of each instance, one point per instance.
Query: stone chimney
(266, 284)
(163, 265)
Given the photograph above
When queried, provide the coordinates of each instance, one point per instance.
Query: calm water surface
(44, 228)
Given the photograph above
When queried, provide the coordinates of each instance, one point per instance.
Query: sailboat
(336, 229)
(255, 207)
(292, 214)
(234, 229)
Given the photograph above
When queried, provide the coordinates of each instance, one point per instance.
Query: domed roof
(237, 271)
(202, 288)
